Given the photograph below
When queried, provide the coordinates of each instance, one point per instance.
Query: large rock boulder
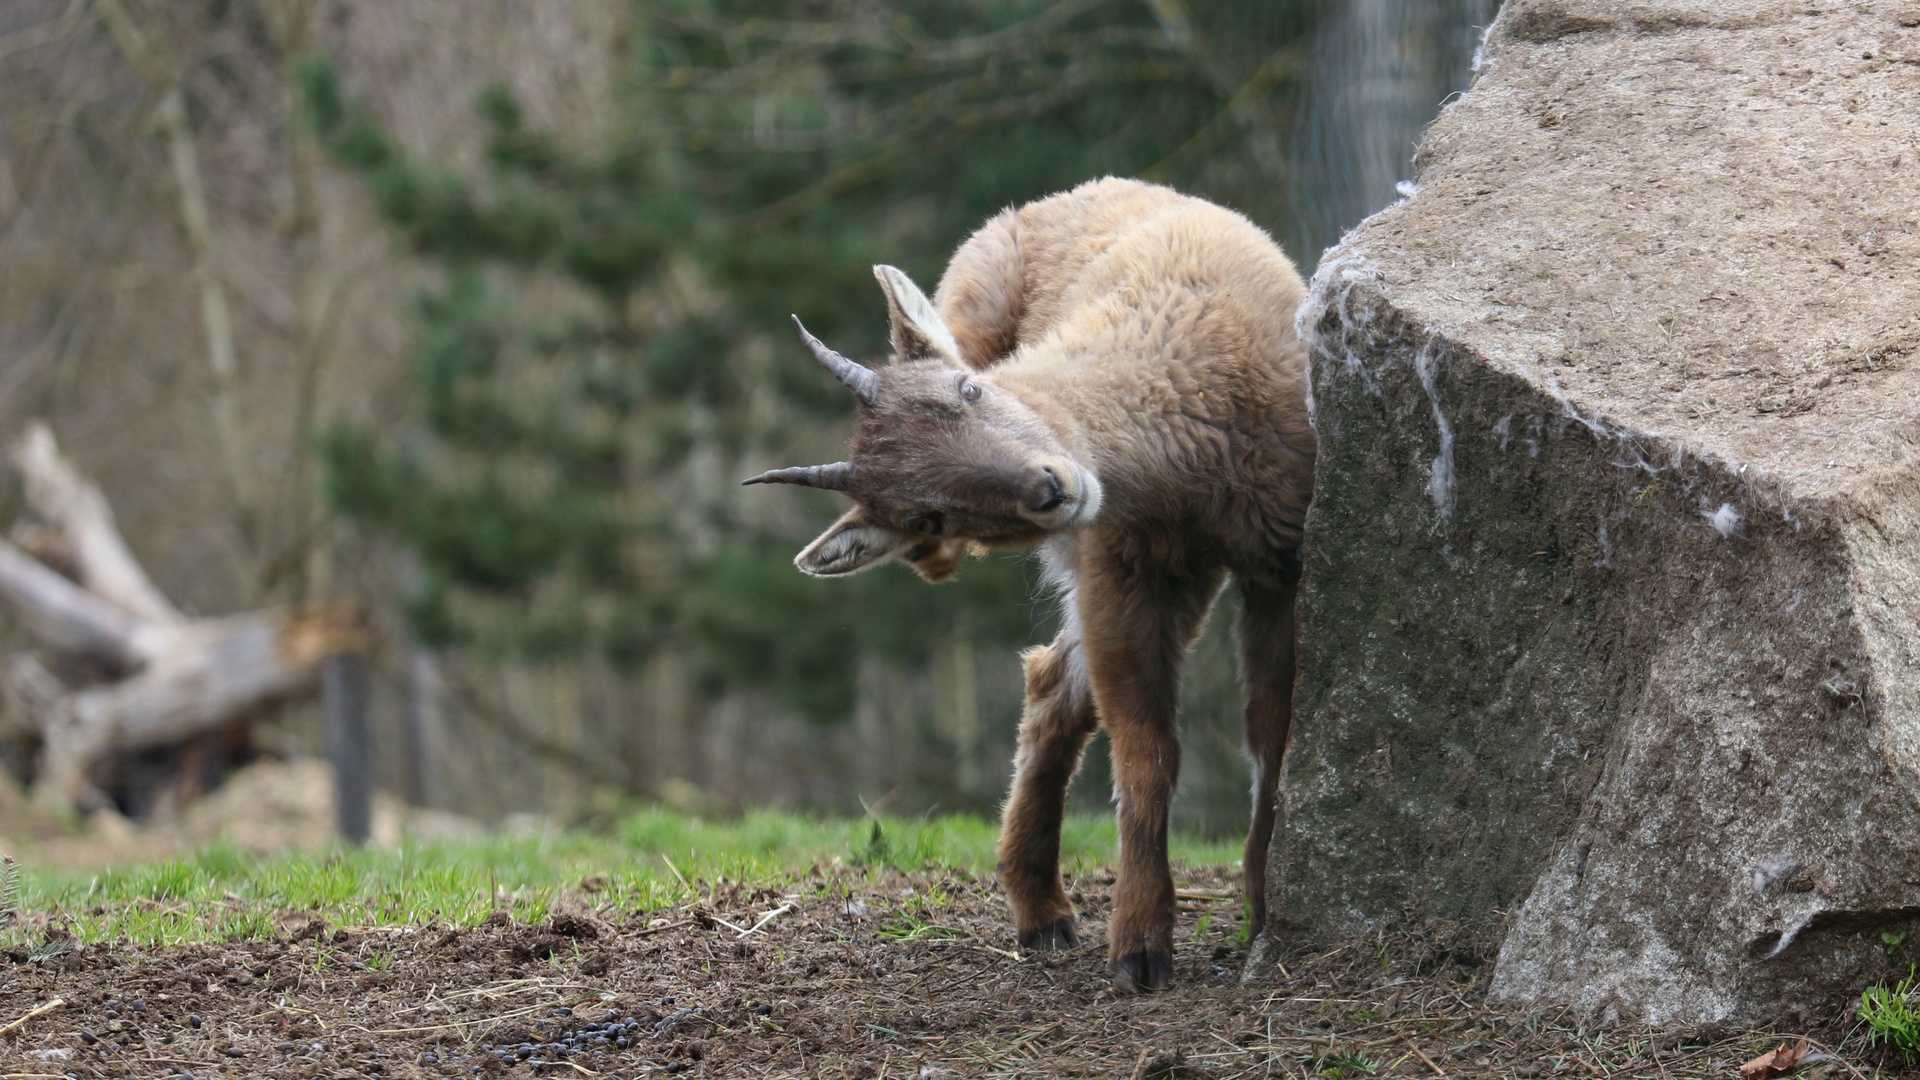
(1611, 623)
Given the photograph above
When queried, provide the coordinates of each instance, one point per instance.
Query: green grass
(1346, 1063)
(650, 860)
(1891, 1019)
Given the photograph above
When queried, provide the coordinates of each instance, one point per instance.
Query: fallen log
(213, 672)
(167, 678)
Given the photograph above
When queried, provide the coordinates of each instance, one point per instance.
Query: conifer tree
(607, 349)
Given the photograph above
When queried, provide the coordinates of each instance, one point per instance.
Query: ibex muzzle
(1111, 374)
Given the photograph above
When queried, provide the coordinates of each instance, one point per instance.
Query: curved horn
(834, 477)
(861, 380)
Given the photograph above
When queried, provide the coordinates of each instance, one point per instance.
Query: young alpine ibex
(1110, 375)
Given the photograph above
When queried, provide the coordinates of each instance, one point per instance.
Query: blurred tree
(569, 487)
(1380, 70)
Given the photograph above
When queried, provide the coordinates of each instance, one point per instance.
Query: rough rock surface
(1611, 625)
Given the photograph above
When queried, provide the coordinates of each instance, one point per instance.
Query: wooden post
(343, 697)
(423, 724)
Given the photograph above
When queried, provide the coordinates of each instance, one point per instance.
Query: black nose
(1051, 494)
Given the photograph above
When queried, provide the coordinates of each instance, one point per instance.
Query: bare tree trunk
(317, 293)
(184, 156)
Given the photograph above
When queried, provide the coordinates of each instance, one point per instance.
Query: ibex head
(942, 457)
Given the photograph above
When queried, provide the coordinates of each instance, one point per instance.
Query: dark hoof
(1140, 972)
(1058, 934)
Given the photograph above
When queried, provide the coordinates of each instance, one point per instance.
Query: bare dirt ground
(901, 976)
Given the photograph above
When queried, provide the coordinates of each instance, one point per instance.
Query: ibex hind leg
(1267, 631)
(1054, 729)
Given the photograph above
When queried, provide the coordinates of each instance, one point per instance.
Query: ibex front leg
(1054, 729)
(1137, 628)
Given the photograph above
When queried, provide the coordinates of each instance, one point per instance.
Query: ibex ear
(849, 545)
(919, 333)
(853, 544)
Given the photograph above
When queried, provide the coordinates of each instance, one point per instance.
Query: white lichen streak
(1440, 487)
(1332, 288)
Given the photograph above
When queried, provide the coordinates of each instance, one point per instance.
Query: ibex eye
(969, 391)
(928, 523)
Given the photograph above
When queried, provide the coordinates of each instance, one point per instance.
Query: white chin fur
(1083, 508)
(1086, 506)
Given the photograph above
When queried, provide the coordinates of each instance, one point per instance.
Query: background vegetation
(502, 292)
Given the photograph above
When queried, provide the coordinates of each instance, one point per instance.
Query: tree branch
(68, 617)
(77, 511)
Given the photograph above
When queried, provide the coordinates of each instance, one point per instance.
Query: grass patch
(1891, 1020)
(1346, 1063)
(649, 860)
